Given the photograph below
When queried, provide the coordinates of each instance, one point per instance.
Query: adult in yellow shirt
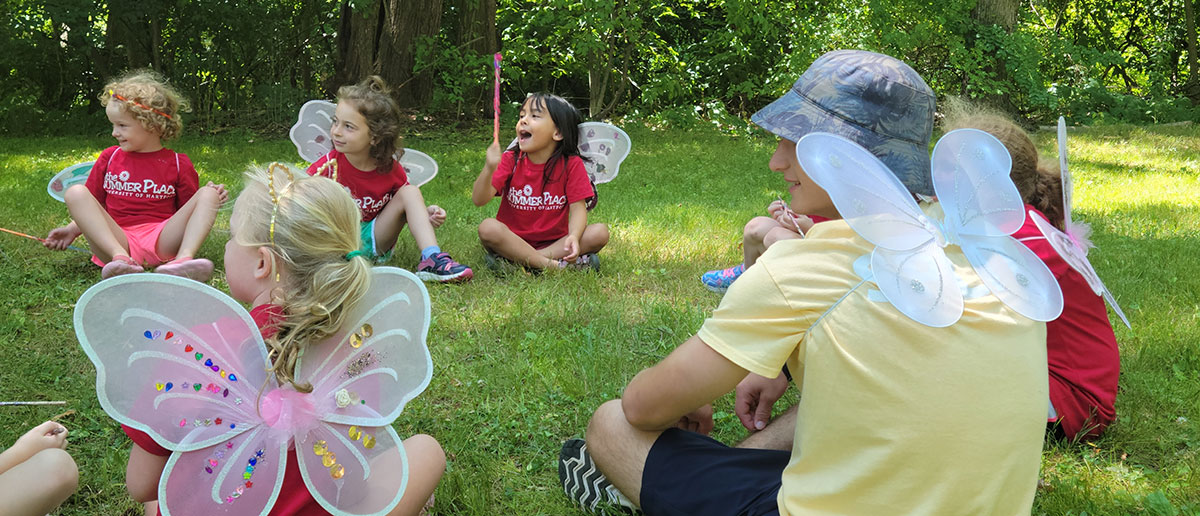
(895, 417)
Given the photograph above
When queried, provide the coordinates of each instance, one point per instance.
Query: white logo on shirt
(524, 199)
(119, 184)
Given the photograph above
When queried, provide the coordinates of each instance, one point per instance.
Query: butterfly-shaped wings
(312, 140)
(1072, 244)
(604, 146)
(76, 174)
(186, 364)
(981, 206)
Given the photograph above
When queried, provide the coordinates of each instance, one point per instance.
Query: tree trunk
(381, 38)
(475, 33)
(1192, 87)
(1002, 13)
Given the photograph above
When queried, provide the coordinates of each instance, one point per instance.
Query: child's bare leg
(142, 473)
(40, 484)
(753, 238)
(395, 215)
(779, 233)
(595, 237)
(426, 465)
(105, 237)
(186, 230)
(496, 236)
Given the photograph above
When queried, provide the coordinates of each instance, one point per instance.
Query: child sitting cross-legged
(543, 186)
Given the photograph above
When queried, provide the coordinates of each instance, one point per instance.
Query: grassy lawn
(521, 361)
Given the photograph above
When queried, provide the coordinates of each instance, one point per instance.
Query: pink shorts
(142, 240)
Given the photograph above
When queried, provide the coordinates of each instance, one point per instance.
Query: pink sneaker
(120, 265)
(199, 269)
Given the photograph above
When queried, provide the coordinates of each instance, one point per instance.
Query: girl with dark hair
(542, 220)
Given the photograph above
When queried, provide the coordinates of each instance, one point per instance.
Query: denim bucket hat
(874, 100)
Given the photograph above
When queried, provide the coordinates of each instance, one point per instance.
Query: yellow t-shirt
(894, 417)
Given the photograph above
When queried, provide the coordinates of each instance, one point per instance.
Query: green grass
(521, 361)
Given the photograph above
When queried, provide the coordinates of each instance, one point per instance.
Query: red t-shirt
(294, 498)
(140, 187)
(371, 190)
(1081, 348)
(537, 211)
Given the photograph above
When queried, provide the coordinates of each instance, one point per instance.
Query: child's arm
(483, 191)
(41, 437)
(60, 238)
(576, 223)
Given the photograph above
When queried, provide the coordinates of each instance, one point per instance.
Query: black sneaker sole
(582, 482)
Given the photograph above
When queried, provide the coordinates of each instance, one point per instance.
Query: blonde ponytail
(311, 226)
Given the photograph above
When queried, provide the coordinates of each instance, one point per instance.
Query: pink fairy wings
(1073, 244)
(185, 363)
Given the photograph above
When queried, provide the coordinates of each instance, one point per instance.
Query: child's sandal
(120, 265)
(198, 269)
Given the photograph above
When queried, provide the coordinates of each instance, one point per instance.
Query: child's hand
(222, 194)
(794, 221)
(60, 238)
(571, 247)
(775, 208)
(437, 216)
(493, 156)
(44, 436)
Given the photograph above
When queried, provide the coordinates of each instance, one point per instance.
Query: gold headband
(274, 194)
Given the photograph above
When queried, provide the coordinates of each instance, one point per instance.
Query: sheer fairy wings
(183, 362)
(908, 263)
(165, 367)
(1073, 248)
(172, 356)
(605, 146)
(76, 174)
(362, 378)
(312, 140)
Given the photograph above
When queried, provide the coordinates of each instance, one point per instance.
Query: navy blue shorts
(687, 473)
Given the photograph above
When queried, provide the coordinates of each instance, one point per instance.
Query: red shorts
(143, 239)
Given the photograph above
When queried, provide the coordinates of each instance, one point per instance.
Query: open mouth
(523, 137)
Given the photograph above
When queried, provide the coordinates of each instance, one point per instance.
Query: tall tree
(1192, 87)
(1003, 14)
(381, 38)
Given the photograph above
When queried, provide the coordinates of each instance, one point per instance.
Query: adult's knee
(601, 428)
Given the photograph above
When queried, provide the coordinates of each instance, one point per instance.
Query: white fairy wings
(982, 209)
(312, 140)
(184, 363)
(603, 146)
(76, 174)
(1073, 244)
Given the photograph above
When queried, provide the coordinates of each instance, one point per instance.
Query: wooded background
(251, 63)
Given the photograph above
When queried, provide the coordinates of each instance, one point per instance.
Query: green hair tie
(357, 252)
